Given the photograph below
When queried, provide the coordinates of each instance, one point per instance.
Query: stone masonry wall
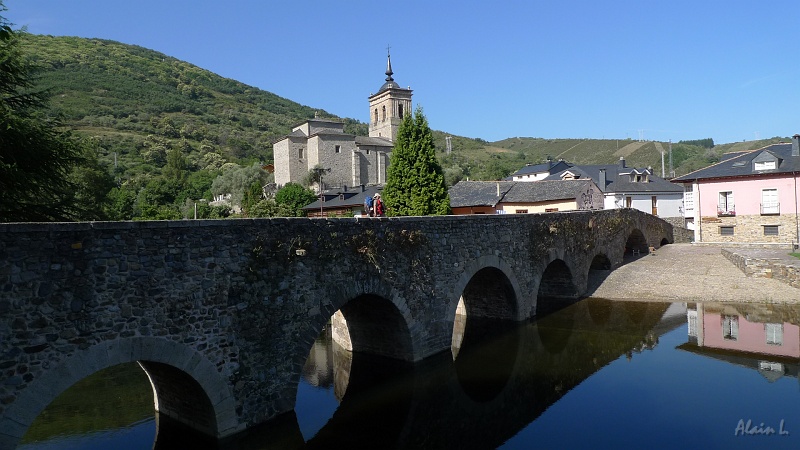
(237, 304)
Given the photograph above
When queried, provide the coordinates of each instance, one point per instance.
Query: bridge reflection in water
(503, 382)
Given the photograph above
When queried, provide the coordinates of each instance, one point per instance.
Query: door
(655, 205)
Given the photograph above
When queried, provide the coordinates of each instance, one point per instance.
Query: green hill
(138, 105)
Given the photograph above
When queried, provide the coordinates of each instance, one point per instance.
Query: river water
(595, 374)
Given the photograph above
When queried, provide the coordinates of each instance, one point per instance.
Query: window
(654, 202)
(400, 110)
(383, 113)
(522, 211)
(375, 119)
(725, 207)
(764, 165)
(368, 151)
(551, 210)
(300, 152)
(769, 202)
(774, 332)
(726, 231)
(730, 327)
(628, 202)
(338, 149)
(771, 230)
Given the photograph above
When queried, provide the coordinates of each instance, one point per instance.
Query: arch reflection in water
(112, 402)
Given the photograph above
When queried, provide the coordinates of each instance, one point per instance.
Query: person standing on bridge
(368, 206)
(378, 206)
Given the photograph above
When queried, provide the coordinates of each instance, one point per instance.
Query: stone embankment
(759, 263)
(693, 273)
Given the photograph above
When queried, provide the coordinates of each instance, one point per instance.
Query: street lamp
(318, 171)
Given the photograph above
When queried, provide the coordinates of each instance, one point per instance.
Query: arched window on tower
(376, 116)
(400, 110)
(383, 113)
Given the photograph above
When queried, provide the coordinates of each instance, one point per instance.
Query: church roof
(376, 141)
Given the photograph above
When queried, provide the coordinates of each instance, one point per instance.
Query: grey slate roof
(550, 166)
(380, 142)
(740, 164)
(543, 191)
(615, 182)
(484, 193)
(478, 193)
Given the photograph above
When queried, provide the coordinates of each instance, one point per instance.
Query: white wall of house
(668, 204)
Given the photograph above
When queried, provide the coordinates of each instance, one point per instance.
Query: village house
(345, 159)
(630, 187)
(513, 197)
(749, 197)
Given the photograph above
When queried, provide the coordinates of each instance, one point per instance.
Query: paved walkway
(686, 272)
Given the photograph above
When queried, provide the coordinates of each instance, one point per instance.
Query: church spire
(389, 72)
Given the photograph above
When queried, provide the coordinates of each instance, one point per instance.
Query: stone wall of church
(339, 162)
(289, 166)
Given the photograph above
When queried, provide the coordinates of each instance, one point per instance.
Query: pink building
(748, 197)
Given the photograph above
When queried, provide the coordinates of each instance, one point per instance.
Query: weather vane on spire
(388, 64)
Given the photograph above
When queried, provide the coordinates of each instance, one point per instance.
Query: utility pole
(671, 170)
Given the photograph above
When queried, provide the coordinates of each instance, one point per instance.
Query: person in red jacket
(378, 205)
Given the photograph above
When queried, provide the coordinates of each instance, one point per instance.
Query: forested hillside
(165, 129)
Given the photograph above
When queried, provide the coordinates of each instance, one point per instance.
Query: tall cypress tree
(415, 183)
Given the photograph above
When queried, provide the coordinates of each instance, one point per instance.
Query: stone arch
(557, 281)
(600, 262)
(488, 265)
(172, 367)
(369, 292)
(636, 243)
(663, 242)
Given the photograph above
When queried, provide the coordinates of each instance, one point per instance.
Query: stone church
(349, 160)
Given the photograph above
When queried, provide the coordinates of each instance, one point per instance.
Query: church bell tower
(388, 106)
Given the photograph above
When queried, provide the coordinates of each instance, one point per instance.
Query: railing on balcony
(726, 211)
(770, 208)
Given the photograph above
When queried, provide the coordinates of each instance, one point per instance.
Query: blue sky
(678, 69)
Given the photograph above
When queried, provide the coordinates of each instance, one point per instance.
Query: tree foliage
(415, 183)
(46, 173)
(294, 197)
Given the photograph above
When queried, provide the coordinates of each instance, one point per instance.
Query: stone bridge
(221, 315)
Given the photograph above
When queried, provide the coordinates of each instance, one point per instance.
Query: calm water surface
(596, 374)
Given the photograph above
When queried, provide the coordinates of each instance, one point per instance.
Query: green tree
(415, 184)
(237, 180)
(37, 158)
(295, 197)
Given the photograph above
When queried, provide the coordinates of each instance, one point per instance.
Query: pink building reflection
(764, 337)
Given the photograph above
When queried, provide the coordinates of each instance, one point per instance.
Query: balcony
(730, 211)
(771, 209)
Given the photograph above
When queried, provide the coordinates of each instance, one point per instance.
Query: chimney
(796, 145)
(602, 180)
(621, 162)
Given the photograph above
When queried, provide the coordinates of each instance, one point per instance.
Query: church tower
(388, 106)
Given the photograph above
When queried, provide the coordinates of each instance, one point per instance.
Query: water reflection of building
(760, 336)
(318, 369)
